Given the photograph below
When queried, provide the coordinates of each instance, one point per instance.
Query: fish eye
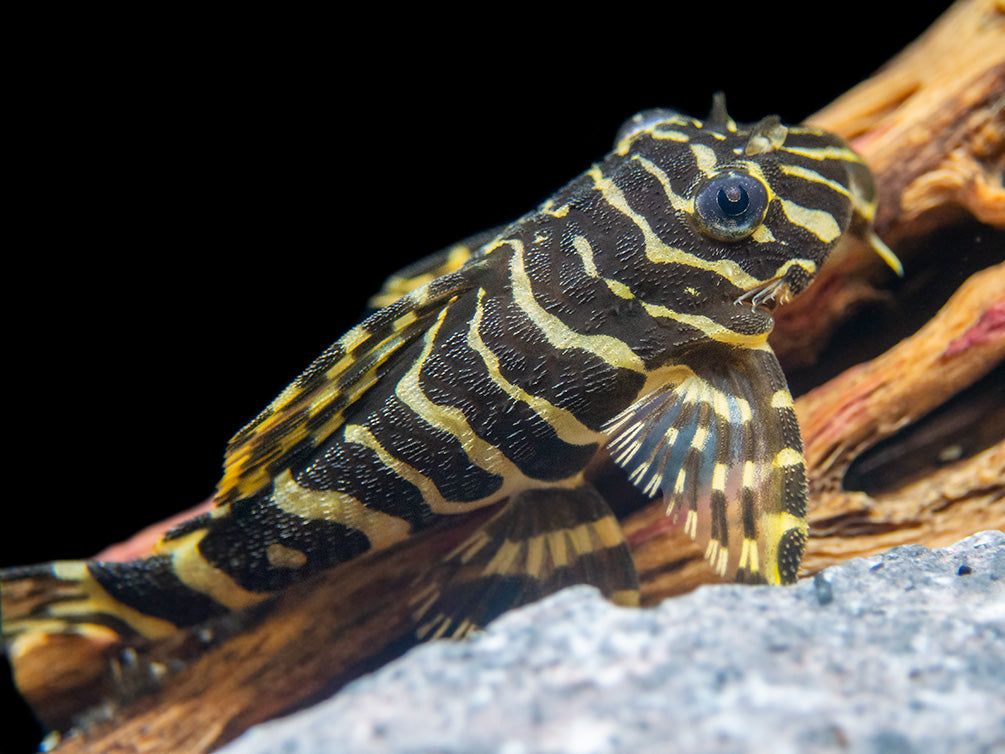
(730, 205)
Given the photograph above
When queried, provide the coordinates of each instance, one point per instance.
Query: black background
(204, 204)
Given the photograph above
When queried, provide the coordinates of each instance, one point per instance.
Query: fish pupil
(733, 200)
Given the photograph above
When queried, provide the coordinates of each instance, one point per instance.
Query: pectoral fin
(722, 447)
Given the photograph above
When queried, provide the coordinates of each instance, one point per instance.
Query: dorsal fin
(313, 406)
(435, 265)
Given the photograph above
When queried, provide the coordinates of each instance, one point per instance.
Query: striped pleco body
(621, 326)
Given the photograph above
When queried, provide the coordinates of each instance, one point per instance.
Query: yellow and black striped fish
(620, 326)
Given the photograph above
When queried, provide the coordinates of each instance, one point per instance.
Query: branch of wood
(931, 126)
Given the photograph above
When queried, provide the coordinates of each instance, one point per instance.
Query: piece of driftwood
(931, 126)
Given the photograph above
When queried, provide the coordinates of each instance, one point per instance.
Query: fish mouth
(767, 295)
